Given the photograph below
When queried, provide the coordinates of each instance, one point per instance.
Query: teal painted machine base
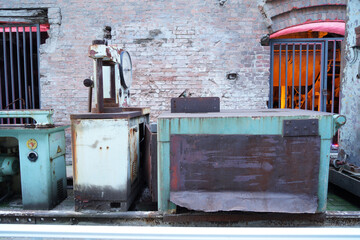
(240, 122)
(41, 152)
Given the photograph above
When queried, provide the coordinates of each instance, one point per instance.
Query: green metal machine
(272, 160)
(35, 152)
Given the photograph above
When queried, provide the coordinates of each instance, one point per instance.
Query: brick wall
(174, 44)
(279, 14)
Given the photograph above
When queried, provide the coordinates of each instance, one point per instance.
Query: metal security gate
(305, 74)
(19, 68)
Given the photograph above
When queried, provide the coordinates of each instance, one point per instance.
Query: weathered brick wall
(175, 45)
(279, 14)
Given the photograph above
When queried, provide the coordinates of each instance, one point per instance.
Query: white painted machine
(106, 142)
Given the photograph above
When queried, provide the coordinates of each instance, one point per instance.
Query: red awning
(337, 27)
(43, 28)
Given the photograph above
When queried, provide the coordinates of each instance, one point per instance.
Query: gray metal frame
(289, 46)
(21, 71)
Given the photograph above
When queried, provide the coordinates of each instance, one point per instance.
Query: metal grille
(60, 189)
(19, 68)
(305, 74)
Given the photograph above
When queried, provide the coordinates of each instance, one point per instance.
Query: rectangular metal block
(264, 173)
(195, 105)
(302, 127)
(106, 158)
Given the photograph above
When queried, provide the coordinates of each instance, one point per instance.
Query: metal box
(41, 152)
(274, 160)
(106, 155)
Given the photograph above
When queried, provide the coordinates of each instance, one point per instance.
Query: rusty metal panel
(151, 162)
(264, 173)
(300, 127)
(195, 105)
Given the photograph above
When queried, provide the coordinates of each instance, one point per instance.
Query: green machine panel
(41, 153)
(274, 160)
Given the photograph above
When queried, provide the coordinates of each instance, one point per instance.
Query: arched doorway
(305, 66)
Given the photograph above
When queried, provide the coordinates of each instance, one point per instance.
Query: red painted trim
(336, 26)
(43, 28)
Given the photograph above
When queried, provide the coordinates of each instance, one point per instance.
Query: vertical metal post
(5, 73)
(25, 70)
(5, 69)
(326, 61)
(31, 70)
(38, 62)
(18, 71)
(333, 78)
(270, 105)
(300, 68)
(322, 76)
(279, 97)
(12, 103)
(313, 83)
(286, 73)
(307, 73)
(293, 78)
(99, 86)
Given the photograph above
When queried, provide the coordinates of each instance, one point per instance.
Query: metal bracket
(301, 127)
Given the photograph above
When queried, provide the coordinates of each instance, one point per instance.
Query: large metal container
(106, 155)
(248, 160)
(41, 153)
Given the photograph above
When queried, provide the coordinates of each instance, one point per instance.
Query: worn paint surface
(267, 173)
(39, 179)
(350, 88)
(151, 162)
(105, 161)
(238, 122)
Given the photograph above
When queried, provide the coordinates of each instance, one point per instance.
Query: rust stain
(73, 146)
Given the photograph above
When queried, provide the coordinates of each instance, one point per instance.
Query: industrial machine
(35, 153)
(271, 160)
(106, 142)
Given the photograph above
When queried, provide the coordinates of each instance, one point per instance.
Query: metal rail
(126, 232)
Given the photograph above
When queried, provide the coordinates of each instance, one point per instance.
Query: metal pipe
(333, 78)
(279, 97)
(286, 73)
(293, 78)
(313, 84)
(12, 71)
(271, 97)
(321, 78)
(32, 71)
(38, 62)
(307, 73)
(5, 72)
(18, 70)
(300, 56)
(326, 60)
